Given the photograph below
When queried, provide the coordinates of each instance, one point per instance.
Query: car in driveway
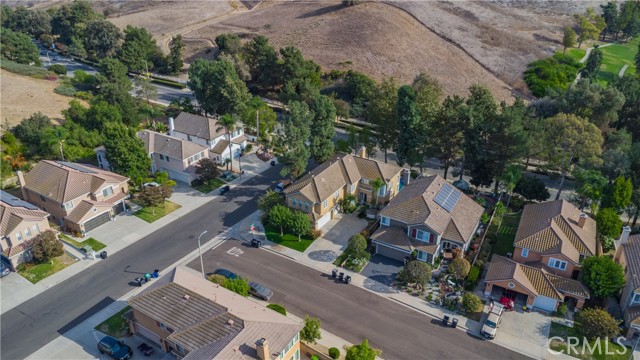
(490, 326)
(226, 273)
(260, 291)
(115, 348)
(224, 189)
(4, 270)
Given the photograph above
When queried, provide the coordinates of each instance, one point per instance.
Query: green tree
(629, 19)
(609, 227)
(610, 16)
(376, 185)
(268, 201)
(278, 308)
(238, 285)
(176, 48)
(291, 142)
(280, 216)
(590, 184)
(228, 43)
(31, 129)
(31, 22)
(300, 77)
(99, 114)
(102, 38)
(408, 124)
(510, 178)
(428, 95)
(125, 152)
(46, 246)
(206, 169)
(594, 61)
(322, 129)
(144, 89)
(602, 276)
(447, 132)
(113, 86)
(52, 140)
(258, 113)
(228, 122)
(139, 51)
(18, 47)
(151, 196)
(357, 246)
(617, 195)
(587, 28)
(381, 111)
(471, 303)
(262, 60)
(568, 39)
(415, 271)
(362, 352)
(217, 87)
(70, 19)
(459, 268)
(569, 138)
(359, 89)
(300, 224)
(76, 48)
(595, 323)
(310, 333)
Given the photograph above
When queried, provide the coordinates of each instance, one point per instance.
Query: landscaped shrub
(217, 279)
(315, 233)
(562, 310)
(278, 308)
(65, 90)
(334, 353)
(46, 246)
(58, 69)
(555, 72)
(472, 277)
(357, 246)
(594, 322)
(471, 303)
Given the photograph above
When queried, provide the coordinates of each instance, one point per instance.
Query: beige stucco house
(193, 318)
(79, 197)
(628, 256)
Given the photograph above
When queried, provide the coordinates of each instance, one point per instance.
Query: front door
(363, 198)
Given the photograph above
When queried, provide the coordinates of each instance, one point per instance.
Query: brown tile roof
(62, 181)
(196, 125)
(201, 319)
(632, 254)
(552, 227)
(632, 315)
(397, 237)
(415, 205)
(220, 146)
(168, 145)
(14, 211)
(536, 281)
(12, 251)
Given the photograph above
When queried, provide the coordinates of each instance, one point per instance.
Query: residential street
(36, 322)
(349, 311)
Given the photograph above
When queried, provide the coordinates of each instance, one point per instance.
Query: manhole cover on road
(235, 251)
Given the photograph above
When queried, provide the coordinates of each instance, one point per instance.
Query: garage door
(96, 221)
(545, 303)
(390, 252)
(324, 220)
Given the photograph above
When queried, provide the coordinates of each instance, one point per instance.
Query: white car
(490, 326)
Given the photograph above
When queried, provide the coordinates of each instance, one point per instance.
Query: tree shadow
(321, 11)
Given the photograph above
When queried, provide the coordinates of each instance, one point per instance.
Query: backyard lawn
(116, 325)
(599, 353)
(93, 243)
(288, 240)
(147, 213)
(503, 241)
(210, 185)
(37, 272)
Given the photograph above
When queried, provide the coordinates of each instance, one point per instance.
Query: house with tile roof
(205, 131)
(320, 192)
(628, 256)
(20, 223)
(193, 318)
(79, 197)
(543, 290)
(428, 216)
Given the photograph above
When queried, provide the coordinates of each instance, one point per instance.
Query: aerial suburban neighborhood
(287, 180)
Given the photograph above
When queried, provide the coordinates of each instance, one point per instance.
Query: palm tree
(376, 185)
(228, 122)
(53, 138)
(510, 177)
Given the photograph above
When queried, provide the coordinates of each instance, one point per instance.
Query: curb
(466, 329)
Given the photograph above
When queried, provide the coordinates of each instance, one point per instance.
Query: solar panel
(14, 201)
(447, 197)
(77, 167)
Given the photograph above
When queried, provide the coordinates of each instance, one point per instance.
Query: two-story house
(20, 223)
(194, 318)
(79, 197)
(206, 132)
(428, 216)
(628, 256)
(172, 155)
(320, 192)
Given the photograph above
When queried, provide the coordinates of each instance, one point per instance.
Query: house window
(422, 255)
(384, 221)
(390, 185)
(382, 190)
(36, 229)
(161, 157)
(336, 194)
(19, 236)
(558, 264)
(107, 191)
(423, 235)
(166, 158)
(581, 257)
(296, 355)
(525, 252)
(293, 203)
(325, 203)
(68, 206)
(43, 199)
(364, 181)
(352, 188)
(635, 299)
(27, 232)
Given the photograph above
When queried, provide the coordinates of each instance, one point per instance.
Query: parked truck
(490, 326)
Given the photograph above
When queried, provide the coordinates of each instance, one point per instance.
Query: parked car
(224, 189)
(281, 185)
(490, 327)
(4, 270)
(115, 348)
(260, 291)
(226, 273)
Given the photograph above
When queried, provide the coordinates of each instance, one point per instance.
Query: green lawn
(210, 185)
(116, 325)
(288, 240)
(93, 243)
(576, 54)
(599, 353)
(37, 272)
(615, 57)
(151, 214)
(502, 242)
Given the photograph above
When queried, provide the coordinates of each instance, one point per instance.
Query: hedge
(168, 83)
(58, 69)
(278, 308)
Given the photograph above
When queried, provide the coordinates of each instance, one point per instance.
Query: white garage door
(324, 220)
(545, 303)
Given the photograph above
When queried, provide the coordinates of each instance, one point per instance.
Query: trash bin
(255, 243)
(103, 255)
(454, 322)
(139, 280)
(147, 277)
(347, 279)
(156, 273)
(334, 273)
(273, 163)
(445, 320)
(341, 276)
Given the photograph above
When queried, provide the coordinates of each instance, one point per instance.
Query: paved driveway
(525, 331)
(334, 239)
(380, 274)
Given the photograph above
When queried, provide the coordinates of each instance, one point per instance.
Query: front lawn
(210, 185)
(288, 240)
(93, 243)
(353, 264)
(583, 352)
(116, 325)
(147, 213)
(502, 242)
(37, 272)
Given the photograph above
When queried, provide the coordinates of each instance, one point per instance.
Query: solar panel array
(14, 201)
(447, 197)
(77, 167)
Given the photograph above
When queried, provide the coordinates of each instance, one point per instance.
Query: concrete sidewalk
(123, 231)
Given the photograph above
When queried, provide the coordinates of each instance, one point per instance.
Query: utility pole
(257, 128)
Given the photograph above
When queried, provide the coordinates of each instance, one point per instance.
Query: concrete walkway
(624, 68)
(125, 230)
(584, 58)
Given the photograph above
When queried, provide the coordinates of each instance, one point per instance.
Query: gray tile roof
(632, 254)
(168, 145)
(196, 125)
(14, 211)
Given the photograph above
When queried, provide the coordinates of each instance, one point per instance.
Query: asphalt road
(41, 319)
(349, 311)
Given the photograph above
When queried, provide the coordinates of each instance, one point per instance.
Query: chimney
(172, 126)
(362, 152)
(624, 237)
(406, 176)
(22, 184)
(262, 347)
(582, 220)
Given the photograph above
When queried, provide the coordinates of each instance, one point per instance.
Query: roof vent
(186, 297)
(230, 322)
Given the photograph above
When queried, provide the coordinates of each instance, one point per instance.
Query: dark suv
(115, 348)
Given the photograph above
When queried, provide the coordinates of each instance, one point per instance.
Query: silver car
(260, 291)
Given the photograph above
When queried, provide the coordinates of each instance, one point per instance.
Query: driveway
(526, 331)
(381, 273)
(334, 239)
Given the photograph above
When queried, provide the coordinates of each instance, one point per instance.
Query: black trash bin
(255, 243)
(347, 279)
(334, 273)
(103, 255)
(341, 276)
(139, 280)
(454, 322)
(445, 320)
(273, 163)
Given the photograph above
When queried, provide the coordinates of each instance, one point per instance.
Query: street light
(200, 252)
